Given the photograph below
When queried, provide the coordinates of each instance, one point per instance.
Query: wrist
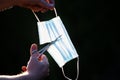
(21, 76)
(24, 76)
(28, 76)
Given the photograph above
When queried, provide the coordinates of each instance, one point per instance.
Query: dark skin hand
(35, 5)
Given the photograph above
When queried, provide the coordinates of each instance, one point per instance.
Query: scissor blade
(41, 51)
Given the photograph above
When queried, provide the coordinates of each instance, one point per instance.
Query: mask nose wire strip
(77, 71)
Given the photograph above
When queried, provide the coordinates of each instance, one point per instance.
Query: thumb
(33, 48)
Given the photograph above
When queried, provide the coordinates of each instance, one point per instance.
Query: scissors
(41, 51)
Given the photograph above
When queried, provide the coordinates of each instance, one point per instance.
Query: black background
(93, 29)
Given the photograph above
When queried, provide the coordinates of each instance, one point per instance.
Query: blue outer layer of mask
(62, 50)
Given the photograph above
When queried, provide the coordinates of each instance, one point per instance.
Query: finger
(46, 4)
(33, 48)
(37, 8)
(40, 57)
(24, 68)
(43, 58)
(50, 1)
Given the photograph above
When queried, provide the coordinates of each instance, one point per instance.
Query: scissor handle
(41, 51)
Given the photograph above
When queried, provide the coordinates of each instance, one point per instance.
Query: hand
(37, 66)
(36, 5)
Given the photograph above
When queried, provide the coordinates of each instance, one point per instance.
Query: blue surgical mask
(63, 50)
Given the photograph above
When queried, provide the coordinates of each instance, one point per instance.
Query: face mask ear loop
(36, 16)
(55, 12)
(77, 68)
(64, 74)
(77, 71)
(39, 19)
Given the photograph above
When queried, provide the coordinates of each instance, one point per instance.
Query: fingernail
(24, 68)
(34, 48)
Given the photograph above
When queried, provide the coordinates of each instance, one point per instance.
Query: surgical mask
(63, 50)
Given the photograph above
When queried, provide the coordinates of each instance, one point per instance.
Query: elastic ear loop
(62, 67)
(77, 71)
(39, 19)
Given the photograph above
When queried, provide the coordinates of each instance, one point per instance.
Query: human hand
(38, 66)
(36, 5)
